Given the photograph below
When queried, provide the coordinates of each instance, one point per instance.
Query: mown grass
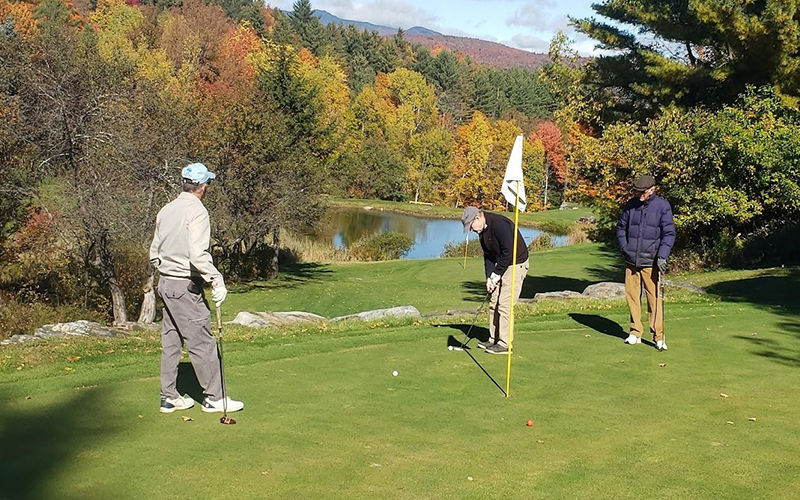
(325, 418)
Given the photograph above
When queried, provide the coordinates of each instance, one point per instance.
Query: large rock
(81, 328)
(393, 312)
(605, 290)
(565, 295)
(263, 319)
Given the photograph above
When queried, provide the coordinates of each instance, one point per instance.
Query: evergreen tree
(693, 52)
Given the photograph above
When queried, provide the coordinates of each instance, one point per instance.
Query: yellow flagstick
(513, 284)
(466, 245)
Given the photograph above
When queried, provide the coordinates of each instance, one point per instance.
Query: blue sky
(523, 24)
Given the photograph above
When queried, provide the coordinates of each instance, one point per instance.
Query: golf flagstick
(513, 284)
(225, 419)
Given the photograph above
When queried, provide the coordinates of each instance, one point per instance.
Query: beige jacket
(182, 239)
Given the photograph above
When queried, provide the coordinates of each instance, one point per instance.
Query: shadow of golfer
(479, 333)
(605, 326)
(187, 382)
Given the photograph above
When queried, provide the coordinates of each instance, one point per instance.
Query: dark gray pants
(187, 319)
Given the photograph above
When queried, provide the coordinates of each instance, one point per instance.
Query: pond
(344, 227)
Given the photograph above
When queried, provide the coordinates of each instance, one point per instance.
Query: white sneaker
(169, 405)
(661, 345)
(633, 339)
(217, 406)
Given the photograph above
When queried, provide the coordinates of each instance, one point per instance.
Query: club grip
(219, 320)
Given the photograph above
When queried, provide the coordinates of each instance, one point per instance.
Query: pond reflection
(345, 227)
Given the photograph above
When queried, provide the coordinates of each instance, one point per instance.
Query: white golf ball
(449, 348)
(394, 373)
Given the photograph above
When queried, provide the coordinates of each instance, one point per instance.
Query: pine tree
(694, 52)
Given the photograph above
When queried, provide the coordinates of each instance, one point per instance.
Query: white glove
(489, 285)
(218, 294)
(495, 278)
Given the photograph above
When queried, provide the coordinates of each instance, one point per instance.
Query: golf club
(474, 319)
(225, 419)
(663, 312)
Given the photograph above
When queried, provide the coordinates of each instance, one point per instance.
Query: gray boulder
(605, 290)
(81, 328)
(263, 319)
(565, 295)
(393, 312)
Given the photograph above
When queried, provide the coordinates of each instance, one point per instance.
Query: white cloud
(530, 43)
(539, 14)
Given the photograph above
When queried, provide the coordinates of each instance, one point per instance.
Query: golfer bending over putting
(496, 234)
(180, 252)
(646, 234)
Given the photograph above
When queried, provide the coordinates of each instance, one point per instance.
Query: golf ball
(394, 373)
(449, 348)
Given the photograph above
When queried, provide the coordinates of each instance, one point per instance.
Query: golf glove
(218, 294)
(492, 281)
(662, 265)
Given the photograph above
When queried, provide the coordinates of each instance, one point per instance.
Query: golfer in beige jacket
(180, 252)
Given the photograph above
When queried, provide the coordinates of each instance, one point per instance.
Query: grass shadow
(777, 292)
(479, 333)
(188, 383)
(605, 326)
(39, 444)
(291, 276)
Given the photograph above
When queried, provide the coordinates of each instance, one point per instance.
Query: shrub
(453, 249)
(541, 242)
(381, 246)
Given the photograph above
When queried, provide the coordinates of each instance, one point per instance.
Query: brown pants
(635, 279)
(500, 304)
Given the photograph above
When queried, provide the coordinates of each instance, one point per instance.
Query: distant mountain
(491, 54)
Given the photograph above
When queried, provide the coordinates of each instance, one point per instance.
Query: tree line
(103, 103)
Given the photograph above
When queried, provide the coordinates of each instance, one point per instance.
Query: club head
(226, 420)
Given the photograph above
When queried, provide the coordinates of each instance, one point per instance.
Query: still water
(430, 235)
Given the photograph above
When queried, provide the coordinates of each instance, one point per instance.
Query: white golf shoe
(661, 345)
(633, 339)
(169, 405)
(218, 406)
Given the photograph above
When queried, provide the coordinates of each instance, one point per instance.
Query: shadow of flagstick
(484, 371)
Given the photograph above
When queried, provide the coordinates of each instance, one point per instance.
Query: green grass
(534, 219)
(324, 418)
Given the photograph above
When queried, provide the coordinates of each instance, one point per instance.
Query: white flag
(514, 174)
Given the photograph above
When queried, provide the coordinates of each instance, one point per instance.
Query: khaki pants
(187, 319)
(500, 304)
(647, 278)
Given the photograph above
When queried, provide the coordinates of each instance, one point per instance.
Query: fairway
(325, 418)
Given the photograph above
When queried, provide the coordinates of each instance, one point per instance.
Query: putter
(467, 338)
(225, 419)
(663, 312)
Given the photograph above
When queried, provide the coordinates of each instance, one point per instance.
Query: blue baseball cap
(197, 173)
